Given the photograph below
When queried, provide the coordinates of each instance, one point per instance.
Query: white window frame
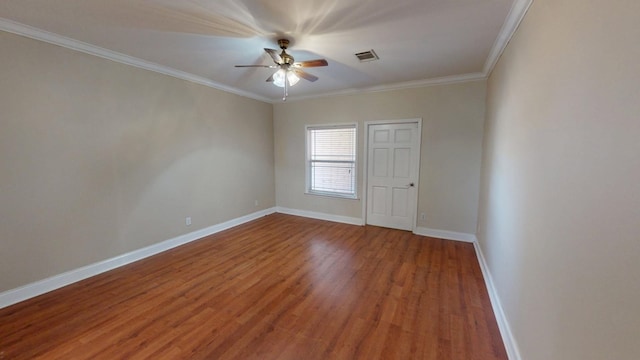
(308, 161)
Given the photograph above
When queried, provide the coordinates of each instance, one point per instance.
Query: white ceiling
(418, 41)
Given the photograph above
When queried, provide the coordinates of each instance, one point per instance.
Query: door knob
(410, 185)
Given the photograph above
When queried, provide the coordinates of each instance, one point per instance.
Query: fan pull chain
(286, 89)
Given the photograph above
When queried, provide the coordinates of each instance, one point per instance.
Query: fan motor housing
(286, 58)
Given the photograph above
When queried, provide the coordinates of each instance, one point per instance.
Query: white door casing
(393, 156)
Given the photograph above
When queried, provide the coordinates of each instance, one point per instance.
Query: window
(331, 160)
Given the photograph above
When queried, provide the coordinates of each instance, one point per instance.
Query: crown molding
(445, 80)
(516, 14)
(69, 43)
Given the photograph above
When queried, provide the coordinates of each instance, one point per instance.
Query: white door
(392, 174)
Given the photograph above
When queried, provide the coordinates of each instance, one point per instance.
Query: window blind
(332, 160)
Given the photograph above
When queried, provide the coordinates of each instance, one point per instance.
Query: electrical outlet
(255, 203)
(187, 221)
(423, 216)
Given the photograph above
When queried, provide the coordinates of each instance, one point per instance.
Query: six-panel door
(392, 174)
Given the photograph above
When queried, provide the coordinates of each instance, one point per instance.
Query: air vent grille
(367, 56)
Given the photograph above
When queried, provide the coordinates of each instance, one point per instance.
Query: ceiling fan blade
(262, 66)
(305, 75)
(274, 55)
(311, 63)
(270, 78)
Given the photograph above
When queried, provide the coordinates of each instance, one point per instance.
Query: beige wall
(98, 159)
(559, 219)
(452, 116)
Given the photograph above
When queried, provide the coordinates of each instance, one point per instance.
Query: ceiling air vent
(367, 56)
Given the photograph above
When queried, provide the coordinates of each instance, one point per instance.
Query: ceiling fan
(289, 72)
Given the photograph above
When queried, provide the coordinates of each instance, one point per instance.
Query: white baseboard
(444, 234)
(321, 216)
(28, 291)
(505, 330)
(22, 293)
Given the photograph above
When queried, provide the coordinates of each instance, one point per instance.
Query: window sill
(332, 195)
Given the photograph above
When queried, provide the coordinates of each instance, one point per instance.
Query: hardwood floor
(280, 287)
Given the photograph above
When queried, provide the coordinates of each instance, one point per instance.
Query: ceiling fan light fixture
(292, 78)
(278, 78)
(281, 75)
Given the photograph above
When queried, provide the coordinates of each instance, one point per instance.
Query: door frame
(365, 169)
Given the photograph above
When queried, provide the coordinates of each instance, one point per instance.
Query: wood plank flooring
(280, 287)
